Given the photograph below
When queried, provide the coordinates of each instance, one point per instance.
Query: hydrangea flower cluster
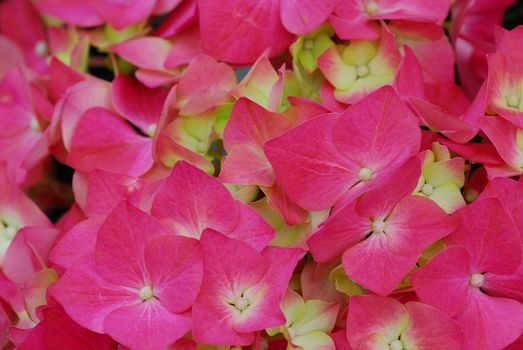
(260, 174)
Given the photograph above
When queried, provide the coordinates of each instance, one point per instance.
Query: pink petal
(118, 148)
(373, 314)
(174, 267)
(191, 201)
(415, 223)
(429, 328)
(510, 194)
(120, 245)
(185, 15)
(204, 85)
(105, 190)
(123, 14)
(79, 12)
(87, 298)
(488, 232)
(444, 281)
(374, 265)
(507, 286)
(77, 242)
(503, 136)
(300, 17)
(248, 165)
(28, 252)
(137, 51)
(322, 170)
(490, 323)
(240, 32)
(252, 228)
(136, 103)
(291, 212)
(340, 232)
(375, 124)
(146, 326)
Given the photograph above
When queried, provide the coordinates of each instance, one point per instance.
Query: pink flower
(137, 283)
(381, 235)
(484, 247)
(191, 201)
(375, 322)
(241, 289)
(317, 163)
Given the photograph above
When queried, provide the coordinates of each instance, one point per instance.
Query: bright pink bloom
(191, 201)
(249, 127)
(317, 162)
(137, 283)
(358, 19)
(484, 245)
(239, 32)
(375, 322)
(382, 234)
(241, 289)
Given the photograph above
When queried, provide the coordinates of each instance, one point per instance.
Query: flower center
(151, 130)
(40, 49)
(365, 174)
(477, 280)
(396, 345)
(362, 71)
(513, 101)
(371, 8)
(378, 226)
(308, 44)
(34, 125)
(146, 293)
(427, 189)
(241, 303)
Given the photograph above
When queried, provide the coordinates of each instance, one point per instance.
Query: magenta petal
(252, 228)
(300, 17)
(240, 32)
(28, 252)
(137, 51)
(373, 265)
(89, 299)
(322, 170)
(488, 232)
(118, 148)
(137, 103)
(247, 165)
(376, 124)
(415, 223)
(341, 231)
(174, 268)
(191, 201)
(429, 328)
(121, 14)
(80, 240)
(146, 326)
(444, 281)
(490, 323)
(121, 242)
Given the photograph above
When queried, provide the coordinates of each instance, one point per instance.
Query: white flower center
(40, 48)
(365, 174)
(477, 280)
(371, 8)
(362, 71)
(427, 189)
(378, 226)
(241, 303)
(396, 345)
(513, 101)
(151, 130)
(146, 293)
